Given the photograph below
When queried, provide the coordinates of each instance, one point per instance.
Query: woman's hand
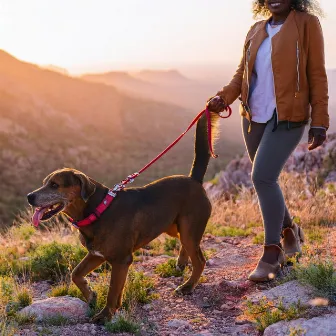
(216, 104)
(316, 137)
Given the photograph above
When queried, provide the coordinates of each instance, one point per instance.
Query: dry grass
(314, 208)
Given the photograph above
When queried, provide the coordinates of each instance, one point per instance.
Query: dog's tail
(202, 151)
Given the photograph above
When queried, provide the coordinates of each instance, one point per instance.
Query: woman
(281, 82)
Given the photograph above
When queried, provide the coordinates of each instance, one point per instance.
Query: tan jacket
(300, 78)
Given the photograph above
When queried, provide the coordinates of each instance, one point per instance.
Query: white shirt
(262, 93)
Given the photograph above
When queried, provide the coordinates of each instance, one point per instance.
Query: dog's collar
(108, 199)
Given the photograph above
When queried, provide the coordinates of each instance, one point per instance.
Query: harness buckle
(111, 193)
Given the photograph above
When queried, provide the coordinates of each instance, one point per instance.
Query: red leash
(120, 186)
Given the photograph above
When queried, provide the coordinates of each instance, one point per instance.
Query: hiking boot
(293, 238)
(270, 263)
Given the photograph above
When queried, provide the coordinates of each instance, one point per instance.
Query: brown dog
(176, 205)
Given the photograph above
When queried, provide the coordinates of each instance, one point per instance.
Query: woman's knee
(259, 178)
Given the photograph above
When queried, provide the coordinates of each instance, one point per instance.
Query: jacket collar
(259, 34)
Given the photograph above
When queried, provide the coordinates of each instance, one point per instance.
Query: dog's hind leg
(183, 258)
(190, 239)
(88, 264)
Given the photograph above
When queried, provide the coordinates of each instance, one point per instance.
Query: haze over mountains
(49, 120)
(172, 86)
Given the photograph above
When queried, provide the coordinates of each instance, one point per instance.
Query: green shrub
(6, 327)
(10, 264)
(208, 254)
(55, 260)
(259, 238)
(265, 313)
(7, 290)
(122, 324)
(168, 269)
(22, 232)
(319, 274)
(171, 244)
(22, 319)
(137, 289)
(315, 234)
(57, 320)
(66, 289)
(227, 231)
(24, 297)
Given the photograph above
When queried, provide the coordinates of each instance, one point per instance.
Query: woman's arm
(317, 77)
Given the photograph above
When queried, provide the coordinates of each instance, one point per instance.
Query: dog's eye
(54, 185)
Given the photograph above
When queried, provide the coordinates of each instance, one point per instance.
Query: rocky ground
(215, 308)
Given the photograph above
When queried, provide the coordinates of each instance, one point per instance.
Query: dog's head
(59, 190)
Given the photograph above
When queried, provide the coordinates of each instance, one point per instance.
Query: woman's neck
(279, 18)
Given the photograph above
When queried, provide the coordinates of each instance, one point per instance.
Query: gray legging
(269, 152)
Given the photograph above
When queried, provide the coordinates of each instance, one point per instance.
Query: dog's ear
(87, 187)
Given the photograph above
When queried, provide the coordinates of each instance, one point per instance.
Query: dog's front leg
(88, 264)
(117, 283)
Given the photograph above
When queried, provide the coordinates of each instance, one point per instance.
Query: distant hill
(170, 87)
(168, 77)
(49, 120)
(167, 86)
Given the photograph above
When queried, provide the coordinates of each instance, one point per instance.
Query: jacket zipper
(248, 85)
(276, 106)
(297, 68)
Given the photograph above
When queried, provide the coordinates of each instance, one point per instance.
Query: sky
(101, 35)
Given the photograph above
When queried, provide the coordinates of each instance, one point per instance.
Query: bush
(259, 238)
(319, 274)
(22, 232)
(265, 313)
(7, 290)
(226, 231)
(137, 290)
(6, 327)
(168, 269)
(55, 260)
(66, 289)
(24, 297)
(10, 264)
(170, 245)
(122, 324)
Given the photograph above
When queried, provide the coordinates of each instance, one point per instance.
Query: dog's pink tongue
(37, 216)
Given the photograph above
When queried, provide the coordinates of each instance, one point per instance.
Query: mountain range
(49, 120)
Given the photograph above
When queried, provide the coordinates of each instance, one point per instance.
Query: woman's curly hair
(308, 6)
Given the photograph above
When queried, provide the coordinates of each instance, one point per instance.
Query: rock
(204, 333)
(322, 326)
(178, 323)
(290, 292)
(66, 306)
(210, 262)
(147, 307)
(216, 312)
(331, 177)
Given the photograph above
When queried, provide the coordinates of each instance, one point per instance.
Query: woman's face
(279, 6)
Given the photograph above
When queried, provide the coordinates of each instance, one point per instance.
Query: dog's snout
(31, 198)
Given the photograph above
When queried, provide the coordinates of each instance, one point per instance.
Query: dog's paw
(104, 316)
(185, 289)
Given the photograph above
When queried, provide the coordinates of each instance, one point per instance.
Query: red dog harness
(112, 193)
